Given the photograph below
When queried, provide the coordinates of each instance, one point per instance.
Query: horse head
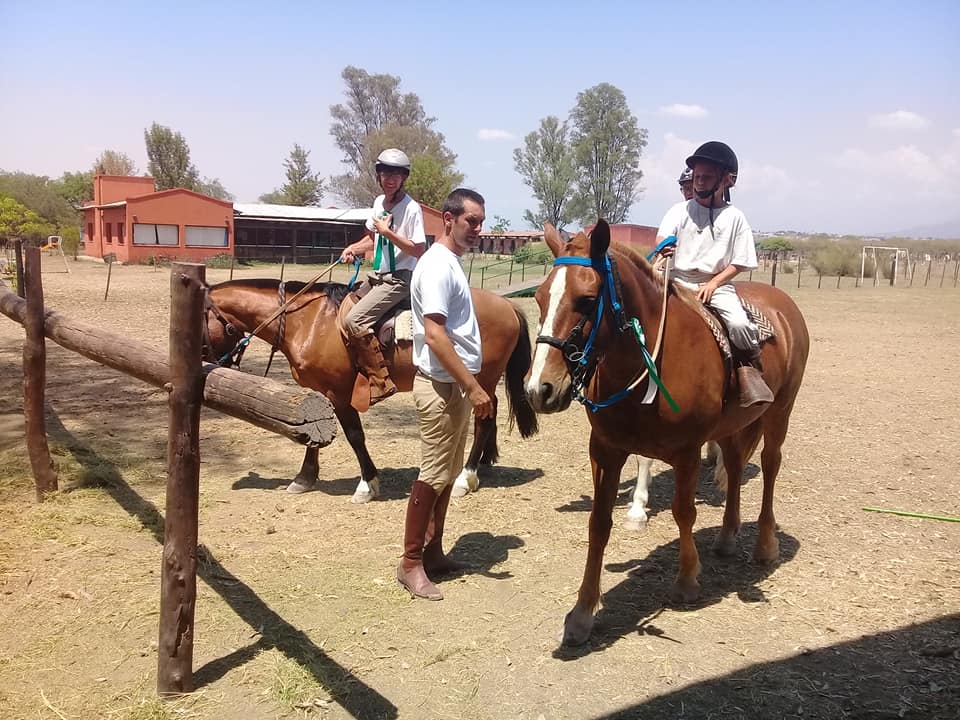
(221, 332)
(571, 313)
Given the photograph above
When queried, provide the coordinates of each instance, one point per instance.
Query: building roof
(264, 211)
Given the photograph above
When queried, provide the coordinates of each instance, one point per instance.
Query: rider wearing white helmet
(715, 244)
(396, 231)
(686, 184)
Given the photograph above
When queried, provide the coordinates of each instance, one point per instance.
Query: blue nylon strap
(666, 242)
(356, 271)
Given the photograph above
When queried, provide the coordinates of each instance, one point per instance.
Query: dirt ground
(298, 612)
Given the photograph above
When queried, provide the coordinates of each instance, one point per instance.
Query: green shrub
(533, 252)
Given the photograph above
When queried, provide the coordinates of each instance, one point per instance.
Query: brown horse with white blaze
(312, 343)
(579, 341)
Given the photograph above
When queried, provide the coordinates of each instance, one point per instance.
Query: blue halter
(579, 360)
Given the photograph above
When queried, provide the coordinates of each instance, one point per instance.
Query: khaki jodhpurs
(743, 333)
(386, 291)
(444, 412)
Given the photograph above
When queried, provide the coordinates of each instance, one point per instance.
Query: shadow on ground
(631, 606)
(911, 673)
(356, 698)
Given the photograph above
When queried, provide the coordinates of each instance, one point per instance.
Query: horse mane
(639, 260)
(335, 292)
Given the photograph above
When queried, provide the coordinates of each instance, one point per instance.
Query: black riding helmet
(720, 155)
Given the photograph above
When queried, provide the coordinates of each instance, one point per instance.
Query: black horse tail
(520, 410)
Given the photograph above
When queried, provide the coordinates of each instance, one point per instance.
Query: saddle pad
(395, 328)
(403, 326)
(764, 327)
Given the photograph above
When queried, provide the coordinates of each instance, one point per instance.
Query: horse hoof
(298, 488)
(366, 491)
(576, 628)
(685, 590)
(767, 554)
(466, 483)
(635, 524)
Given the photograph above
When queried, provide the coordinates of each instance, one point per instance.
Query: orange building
(131, 220)
(641, 237)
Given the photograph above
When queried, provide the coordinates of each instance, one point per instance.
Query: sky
(845, 116)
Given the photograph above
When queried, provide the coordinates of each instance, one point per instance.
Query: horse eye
(585, 305)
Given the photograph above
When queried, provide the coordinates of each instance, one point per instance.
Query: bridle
(232, 358)
(579, 352)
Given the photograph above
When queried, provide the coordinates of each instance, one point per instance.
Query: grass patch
(293, 687)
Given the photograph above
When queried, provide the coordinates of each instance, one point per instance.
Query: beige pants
(387, 291)
(444, 413)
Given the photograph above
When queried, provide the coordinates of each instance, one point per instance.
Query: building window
(206, 236)
(108, 232)
(120, 228)
(89, 236)
(149, 234)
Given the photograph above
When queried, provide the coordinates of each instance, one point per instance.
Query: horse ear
(552, 238)
(599, 241)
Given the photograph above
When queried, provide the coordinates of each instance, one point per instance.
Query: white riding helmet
(686, 176)
(391, 157)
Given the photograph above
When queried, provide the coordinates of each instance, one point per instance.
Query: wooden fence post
(929, 269)
(232, 259)
(773, 272)
(838, 280)
(799, 270)
(35, 379)
(943, 273)
(956, 271)
(18, 259)
(178, 581)
(470, 270)
(108, 258)
(819, 279)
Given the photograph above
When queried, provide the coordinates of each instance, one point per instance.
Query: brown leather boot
(435, 561)
(410, 572)
(753, 389)
(369, 357)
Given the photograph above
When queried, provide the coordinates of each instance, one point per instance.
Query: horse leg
(484, 450)
(775, 426)
(607, 464)
(686, 470)
(369, 485)
(306, 479)
(637, 513)
(739, 447)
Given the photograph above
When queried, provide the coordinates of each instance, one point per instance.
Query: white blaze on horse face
(558, 286)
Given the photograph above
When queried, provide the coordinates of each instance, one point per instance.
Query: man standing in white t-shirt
(447, 354)
(714, 245)
(396, 231)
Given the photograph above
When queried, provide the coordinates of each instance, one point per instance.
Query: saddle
(395, 326)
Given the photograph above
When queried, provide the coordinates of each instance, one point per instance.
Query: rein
(233, 357)
(579, 358)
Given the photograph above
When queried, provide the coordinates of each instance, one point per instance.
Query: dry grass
(298, 612)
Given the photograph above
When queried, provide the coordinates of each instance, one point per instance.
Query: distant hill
(940, 231)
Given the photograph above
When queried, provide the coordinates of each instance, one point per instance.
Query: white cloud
(956, 133)
(899, 120)
(684, 111)
(905, 162)
(494, 134)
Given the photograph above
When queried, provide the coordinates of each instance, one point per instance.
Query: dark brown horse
(692, 369)
(319, 359)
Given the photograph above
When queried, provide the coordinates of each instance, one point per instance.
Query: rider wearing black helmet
(715, 244)
(396, 231)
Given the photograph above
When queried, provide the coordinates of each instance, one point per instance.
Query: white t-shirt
(440, 287)
(705, 249)
(407, 222)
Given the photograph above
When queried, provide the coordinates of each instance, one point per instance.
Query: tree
(500, 225)
(39, 194)
(430, 182)
(545, 162)
(303, 187)
(76, 188)
(168, 159)
(606, 153)
(214, 188)
(377, 116)
(113, 162)
(18, 221)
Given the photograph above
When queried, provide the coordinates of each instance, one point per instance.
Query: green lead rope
(381, 242)
(651, 366)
